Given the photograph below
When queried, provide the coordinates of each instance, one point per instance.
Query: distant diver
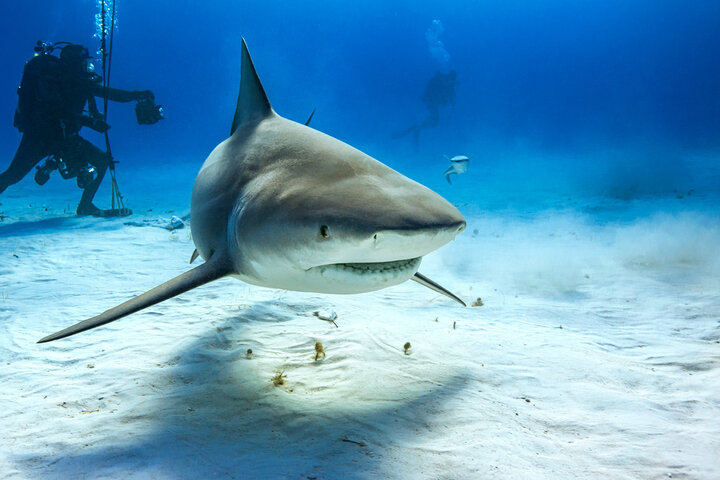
(50, 113)
(458, 165)
(439, 92)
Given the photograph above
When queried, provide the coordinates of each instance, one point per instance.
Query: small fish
(327, 316)
(458, 165)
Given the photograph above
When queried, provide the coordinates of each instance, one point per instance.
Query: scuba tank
(39, 91)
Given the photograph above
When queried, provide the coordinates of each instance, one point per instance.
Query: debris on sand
(326, 316)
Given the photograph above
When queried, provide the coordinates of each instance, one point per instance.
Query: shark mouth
(395, 268)
(392, 269)
(398, 266)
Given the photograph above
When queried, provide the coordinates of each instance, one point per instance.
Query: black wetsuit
(52, 97)
(439, 92)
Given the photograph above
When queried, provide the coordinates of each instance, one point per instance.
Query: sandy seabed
(595, 353)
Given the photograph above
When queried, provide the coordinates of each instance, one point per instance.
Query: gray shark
(458, 165)
(281, 205)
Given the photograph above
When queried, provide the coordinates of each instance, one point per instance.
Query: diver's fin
(200, 275)
(115, 212)
(423, 280)
(194, 255)
(252, 104)
(307, 122)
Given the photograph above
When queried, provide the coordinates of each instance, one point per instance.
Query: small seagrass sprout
(319, 351)
(279, 378)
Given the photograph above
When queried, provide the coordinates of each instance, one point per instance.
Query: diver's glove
(141, 95)
(94, 123)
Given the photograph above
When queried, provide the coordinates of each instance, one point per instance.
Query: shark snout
(378, 244)
(449, 230)
(417, 229)
(385, 244)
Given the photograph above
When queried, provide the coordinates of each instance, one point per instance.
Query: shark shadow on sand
(215, 414)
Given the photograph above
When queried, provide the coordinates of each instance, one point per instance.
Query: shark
(279, 204)
(458, 165)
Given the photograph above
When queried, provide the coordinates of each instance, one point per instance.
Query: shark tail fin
(252, 104)
(211, 270)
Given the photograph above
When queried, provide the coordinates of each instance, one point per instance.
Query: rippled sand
(595, 354)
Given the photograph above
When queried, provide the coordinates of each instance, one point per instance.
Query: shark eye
(324, 231)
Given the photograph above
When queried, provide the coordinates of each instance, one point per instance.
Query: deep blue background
(574, 77)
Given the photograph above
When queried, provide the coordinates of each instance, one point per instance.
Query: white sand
(595, 354)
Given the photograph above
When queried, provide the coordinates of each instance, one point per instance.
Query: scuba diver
(50, 113)
(439, 92)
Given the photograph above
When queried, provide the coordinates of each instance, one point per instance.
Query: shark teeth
(376, 267)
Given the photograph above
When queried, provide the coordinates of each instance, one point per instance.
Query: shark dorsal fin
(307, 122)
(252, 104)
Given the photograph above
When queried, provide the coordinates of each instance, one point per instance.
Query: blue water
(593, 208)
(593, 85)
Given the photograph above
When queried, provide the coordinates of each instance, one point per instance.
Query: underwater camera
(86, 176)
(42, 175)
(43, 48)
(46, 48)
(82, 171)
(148, 112)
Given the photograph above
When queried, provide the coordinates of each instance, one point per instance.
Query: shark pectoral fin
(307, 122)
(194, 256)
(423, 280)
(200, 275)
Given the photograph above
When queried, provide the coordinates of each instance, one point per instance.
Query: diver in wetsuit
(439, 92)
(51, 99)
